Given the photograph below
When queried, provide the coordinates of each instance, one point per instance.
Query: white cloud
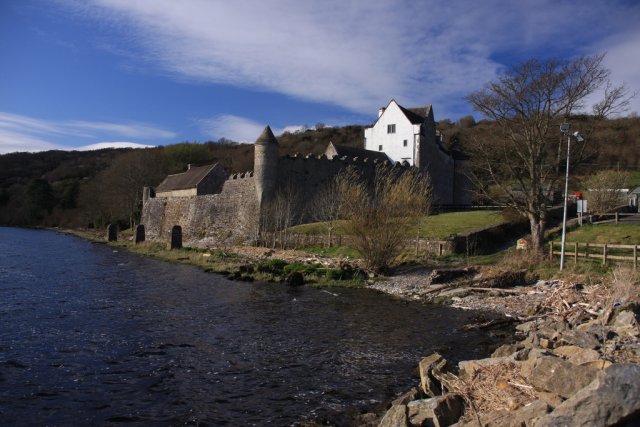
(239, 129)
(115, 144)
(624, 61)
(23, 133)
(355, 54)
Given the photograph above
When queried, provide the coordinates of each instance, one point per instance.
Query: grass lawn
(635, 179)
(444, 225)
(624, 234)
(432, 226)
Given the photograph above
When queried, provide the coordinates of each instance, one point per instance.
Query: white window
(404, 143)
(379, 147)
(391, 128)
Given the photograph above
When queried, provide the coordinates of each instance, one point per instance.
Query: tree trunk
(537, 227)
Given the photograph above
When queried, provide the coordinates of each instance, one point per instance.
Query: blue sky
(154, 72)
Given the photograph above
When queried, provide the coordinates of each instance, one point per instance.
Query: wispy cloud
(358, 54)
(240, 129)
(23, 133)
(114, 144)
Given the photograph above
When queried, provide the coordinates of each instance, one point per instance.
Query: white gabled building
(409, 135)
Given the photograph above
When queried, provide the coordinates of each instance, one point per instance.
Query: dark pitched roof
(185, 180)
(416, 115)
(360, 153)
(266, 137)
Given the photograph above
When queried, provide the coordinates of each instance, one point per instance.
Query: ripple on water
(109, 338)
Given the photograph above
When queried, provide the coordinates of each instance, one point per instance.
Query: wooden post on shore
(112, 233)
(140, 235)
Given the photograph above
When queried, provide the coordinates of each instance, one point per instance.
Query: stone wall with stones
(225, 217)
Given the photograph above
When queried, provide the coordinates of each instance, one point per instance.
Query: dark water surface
(92, 336)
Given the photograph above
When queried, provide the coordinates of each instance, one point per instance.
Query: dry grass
(494, 388)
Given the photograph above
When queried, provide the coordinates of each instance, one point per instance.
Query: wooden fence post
(586, 251)
(635, 257)
(604, 254)
(575, 254)
(551, 250)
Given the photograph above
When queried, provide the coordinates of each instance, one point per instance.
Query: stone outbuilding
(195, 181)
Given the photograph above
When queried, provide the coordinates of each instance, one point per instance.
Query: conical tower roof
(266, 137)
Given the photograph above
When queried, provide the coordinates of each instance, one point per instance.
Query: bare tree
(529, 102)
(604, 190)
(280, 214)
(382, 214)
(328, 205)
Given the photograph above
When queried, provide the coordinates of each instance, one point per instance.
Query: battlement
(241, 175)
(317, 160)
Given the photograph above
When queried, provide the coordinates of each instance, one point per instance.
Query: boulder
(579, 338)
(507, 350)
(612, 398)
(555, 375)
(625, 324)
(396, 416)
(577, 355)
(436, 411)
(428, 383)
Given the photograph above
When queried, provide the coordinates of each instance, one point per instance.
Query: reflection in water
(90, 335)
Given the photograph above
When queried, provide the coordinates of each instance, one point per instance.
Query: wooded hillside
(92, 188)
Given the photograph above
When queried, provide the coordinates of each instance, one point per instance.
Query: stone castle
(210, 205)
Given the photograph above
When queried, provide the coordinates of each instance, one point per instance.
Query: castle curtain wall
(225, 217)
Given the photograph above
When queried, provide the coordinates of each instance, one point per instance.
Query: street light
(564, 128)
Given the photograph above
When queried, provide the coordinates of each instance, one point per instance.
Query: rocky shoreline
(574, 361)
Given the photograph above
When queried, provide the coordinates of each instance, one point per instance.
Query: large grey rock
(577, 355)
(625, 324)
(612, 398)
(436, 411)
(558, 376)
(428, 383)
(396, 416)
(579, 338)
(507, 350)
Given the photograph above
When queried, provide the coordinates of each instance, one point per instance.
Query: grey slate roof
(416, 115)
(185, 180)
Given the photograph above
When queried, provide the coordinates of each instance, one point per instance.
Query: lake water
(93, 336)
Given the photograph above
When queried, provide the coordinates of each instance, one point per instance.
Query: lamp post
(564, 128)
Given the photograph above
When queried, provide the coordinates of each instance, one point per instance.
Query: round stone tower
(265, 164)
